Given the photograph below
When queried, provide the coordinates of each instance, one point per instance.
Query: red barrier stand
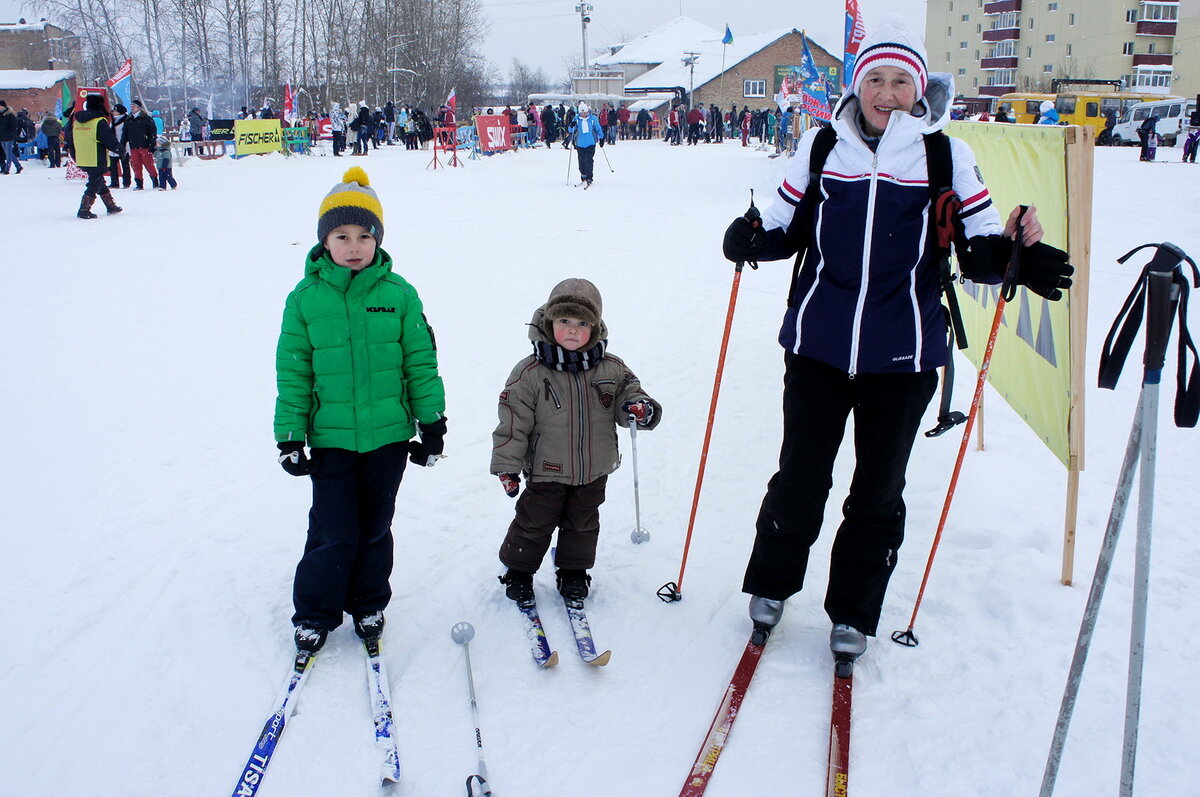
(445, 139)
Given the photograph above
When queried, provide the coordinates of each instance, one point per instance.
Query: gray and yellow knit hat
(352, 201)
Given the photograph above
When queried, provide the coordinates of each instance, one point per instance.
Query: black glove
(743, 241)
(1045, 270)
(426, 451)
(293, 460)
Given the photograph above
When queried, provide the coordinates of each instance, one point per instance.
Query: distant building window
(754, 88)
(1048, 68)
(979, 28)
(962, 72)
(949, 31)
(966, 17)
(1068, 51)
(975, 81)
(1127, 48)
(1029, 52)
(976, 55)
(1052, 6)
(1150, 49)
(1070, 19)
(1131, 15)
(1159, 13)
(1049, 38)
(1031, 23)
(962, 45)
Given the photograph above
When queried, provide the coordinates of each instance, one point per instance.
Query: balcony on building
(1000, 62)
(1002, 34)
(1000, 6)
(1152, 59)
(996, 91)
(1153, 27)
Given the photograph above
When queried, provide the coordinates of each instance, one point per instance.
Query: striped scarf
(554, 356)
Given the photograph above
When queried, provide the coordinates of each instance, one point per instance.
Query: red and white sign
(324, 129)
(494, 133)
(82, 93)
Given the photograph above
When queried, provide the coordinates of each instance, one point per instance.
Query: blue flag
(815, 95)
(728, 37)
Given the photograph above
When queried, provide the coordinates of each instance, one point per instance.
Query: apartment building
(992, 47)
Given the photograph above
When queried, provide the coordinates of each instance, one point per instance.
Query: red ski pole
(1008, 290)
(670, 591)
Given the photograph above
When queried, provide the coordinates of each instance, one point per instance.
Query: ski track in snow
(151, 538)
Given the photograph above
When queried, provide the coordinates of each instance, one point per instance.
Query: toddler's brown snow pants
(545, 506)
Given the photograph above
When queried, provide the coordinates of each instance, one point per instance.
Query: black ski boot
(518, 586)
(109, 203)
(573, 584)
(369, 626)
(310, 640)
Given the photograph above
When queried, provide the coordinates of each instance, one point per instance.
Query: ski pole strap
(1012, 275)
(1119, 341)
(483, 791)
(947, 418)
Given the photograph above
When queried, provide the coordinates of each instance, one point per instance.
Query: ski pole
(639, 534)
(606, 160)
(477, 785)
(568, 166)
(671, 591)
(1008, 291)
(1163, 288)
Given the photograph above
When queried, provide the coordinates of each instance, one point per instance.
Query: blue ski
(583, 634)
(381, 708)
(539, 645)
(264, 749)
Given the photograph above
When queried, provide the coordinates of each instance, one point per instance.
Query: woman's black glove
(426, 451)
(744, 242)
(1045, 270)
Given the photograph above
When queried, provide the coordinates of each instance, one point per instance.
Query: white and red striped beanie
(893, 44)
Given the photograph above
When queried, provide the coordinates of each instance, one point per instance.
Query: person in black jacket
(362, 126)
(119, 174)
(89, 140)
(141, 137)
(8, 138)
(52, 130)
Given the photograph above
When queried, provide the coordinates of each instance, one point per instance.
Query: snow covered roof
(672, 71)
(24, 25)
(14, 79)
(667, 41)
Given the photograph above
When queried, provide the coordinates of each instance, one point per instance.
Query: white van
(1173, 116)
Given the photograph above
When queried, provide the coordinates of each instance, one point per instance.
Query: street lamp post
(585, 10)
(690, 59)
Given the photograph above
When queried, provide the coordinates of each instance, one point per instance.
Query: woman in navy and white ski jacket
(865, 331)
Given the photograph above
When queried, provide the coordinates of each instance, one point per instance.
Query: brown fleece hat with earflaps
(574, 298)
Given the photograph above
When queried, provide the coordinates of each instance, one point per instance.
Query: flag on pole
(119, 84)
(289, 102)
(815, 96)
(728, 37)
(452, 101)
(855, 32)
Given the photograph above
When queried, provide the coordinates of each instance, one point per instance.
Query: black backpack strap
(801, 232)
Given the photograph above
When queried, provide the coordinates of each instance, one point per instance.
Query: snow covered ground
(150, 538)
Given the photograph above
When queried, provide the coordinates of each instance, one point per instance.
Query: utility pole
(690, 59)
(585, 10)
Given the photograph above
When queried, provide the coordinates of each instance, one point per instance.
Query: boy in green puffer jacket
(356, 370)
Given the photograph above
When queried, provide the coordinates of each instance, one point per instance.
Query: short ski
(722, 724)
(381, 709)
(539, 645)
(264, 749)
(837, 781)
(583, 634)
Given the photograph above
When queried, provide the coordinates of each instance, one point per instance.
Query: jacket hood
(85, 116)
(930, 114)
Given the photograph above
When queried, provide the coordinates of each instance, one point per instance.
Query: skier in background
(585, 132)
(562, 438)
(354, 334)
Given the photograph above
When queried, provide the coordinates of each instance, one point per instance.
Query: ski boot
(85, 207)
(847, 644)
(109, 203)
(369, 626)
(518, 587)
(765, 612)
(310, 640)
(573, 586)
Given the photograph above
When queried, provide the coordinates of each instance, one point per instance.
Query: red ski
(837, 782)
(722, 724)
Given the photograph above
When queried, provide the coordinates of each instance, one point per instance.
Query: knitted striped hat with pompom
(892, 44)
(352, 201)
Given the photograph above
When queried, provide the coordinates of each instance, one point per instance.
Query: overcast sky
(542, 32)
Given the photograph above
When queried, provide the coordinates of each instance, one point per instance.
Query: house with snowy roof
(684, 56)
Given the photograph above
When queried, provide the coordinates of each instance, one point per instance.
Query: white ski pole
(477, 785)
(639, 534)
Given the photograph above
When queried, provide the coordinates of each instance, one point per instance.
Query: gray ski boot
(847, 644)
(765, 612)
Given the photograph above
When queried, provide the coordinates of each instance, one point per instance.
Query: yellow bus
(1076, 107)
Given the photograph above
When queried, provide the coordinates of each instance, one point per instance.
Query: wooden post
(979, 424)
(1080, 146)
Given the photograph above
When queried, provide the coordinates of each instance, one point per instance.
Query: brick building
(37, 45)
(685, 56)
(993, 47)
(37, 90)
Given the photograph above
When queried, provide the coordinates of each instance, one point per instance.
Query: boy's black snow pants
(348, 556)
(817, 400)
(545, 506)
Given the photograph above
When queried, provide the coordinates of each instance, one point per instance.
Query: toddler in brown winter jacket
(558, 412)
